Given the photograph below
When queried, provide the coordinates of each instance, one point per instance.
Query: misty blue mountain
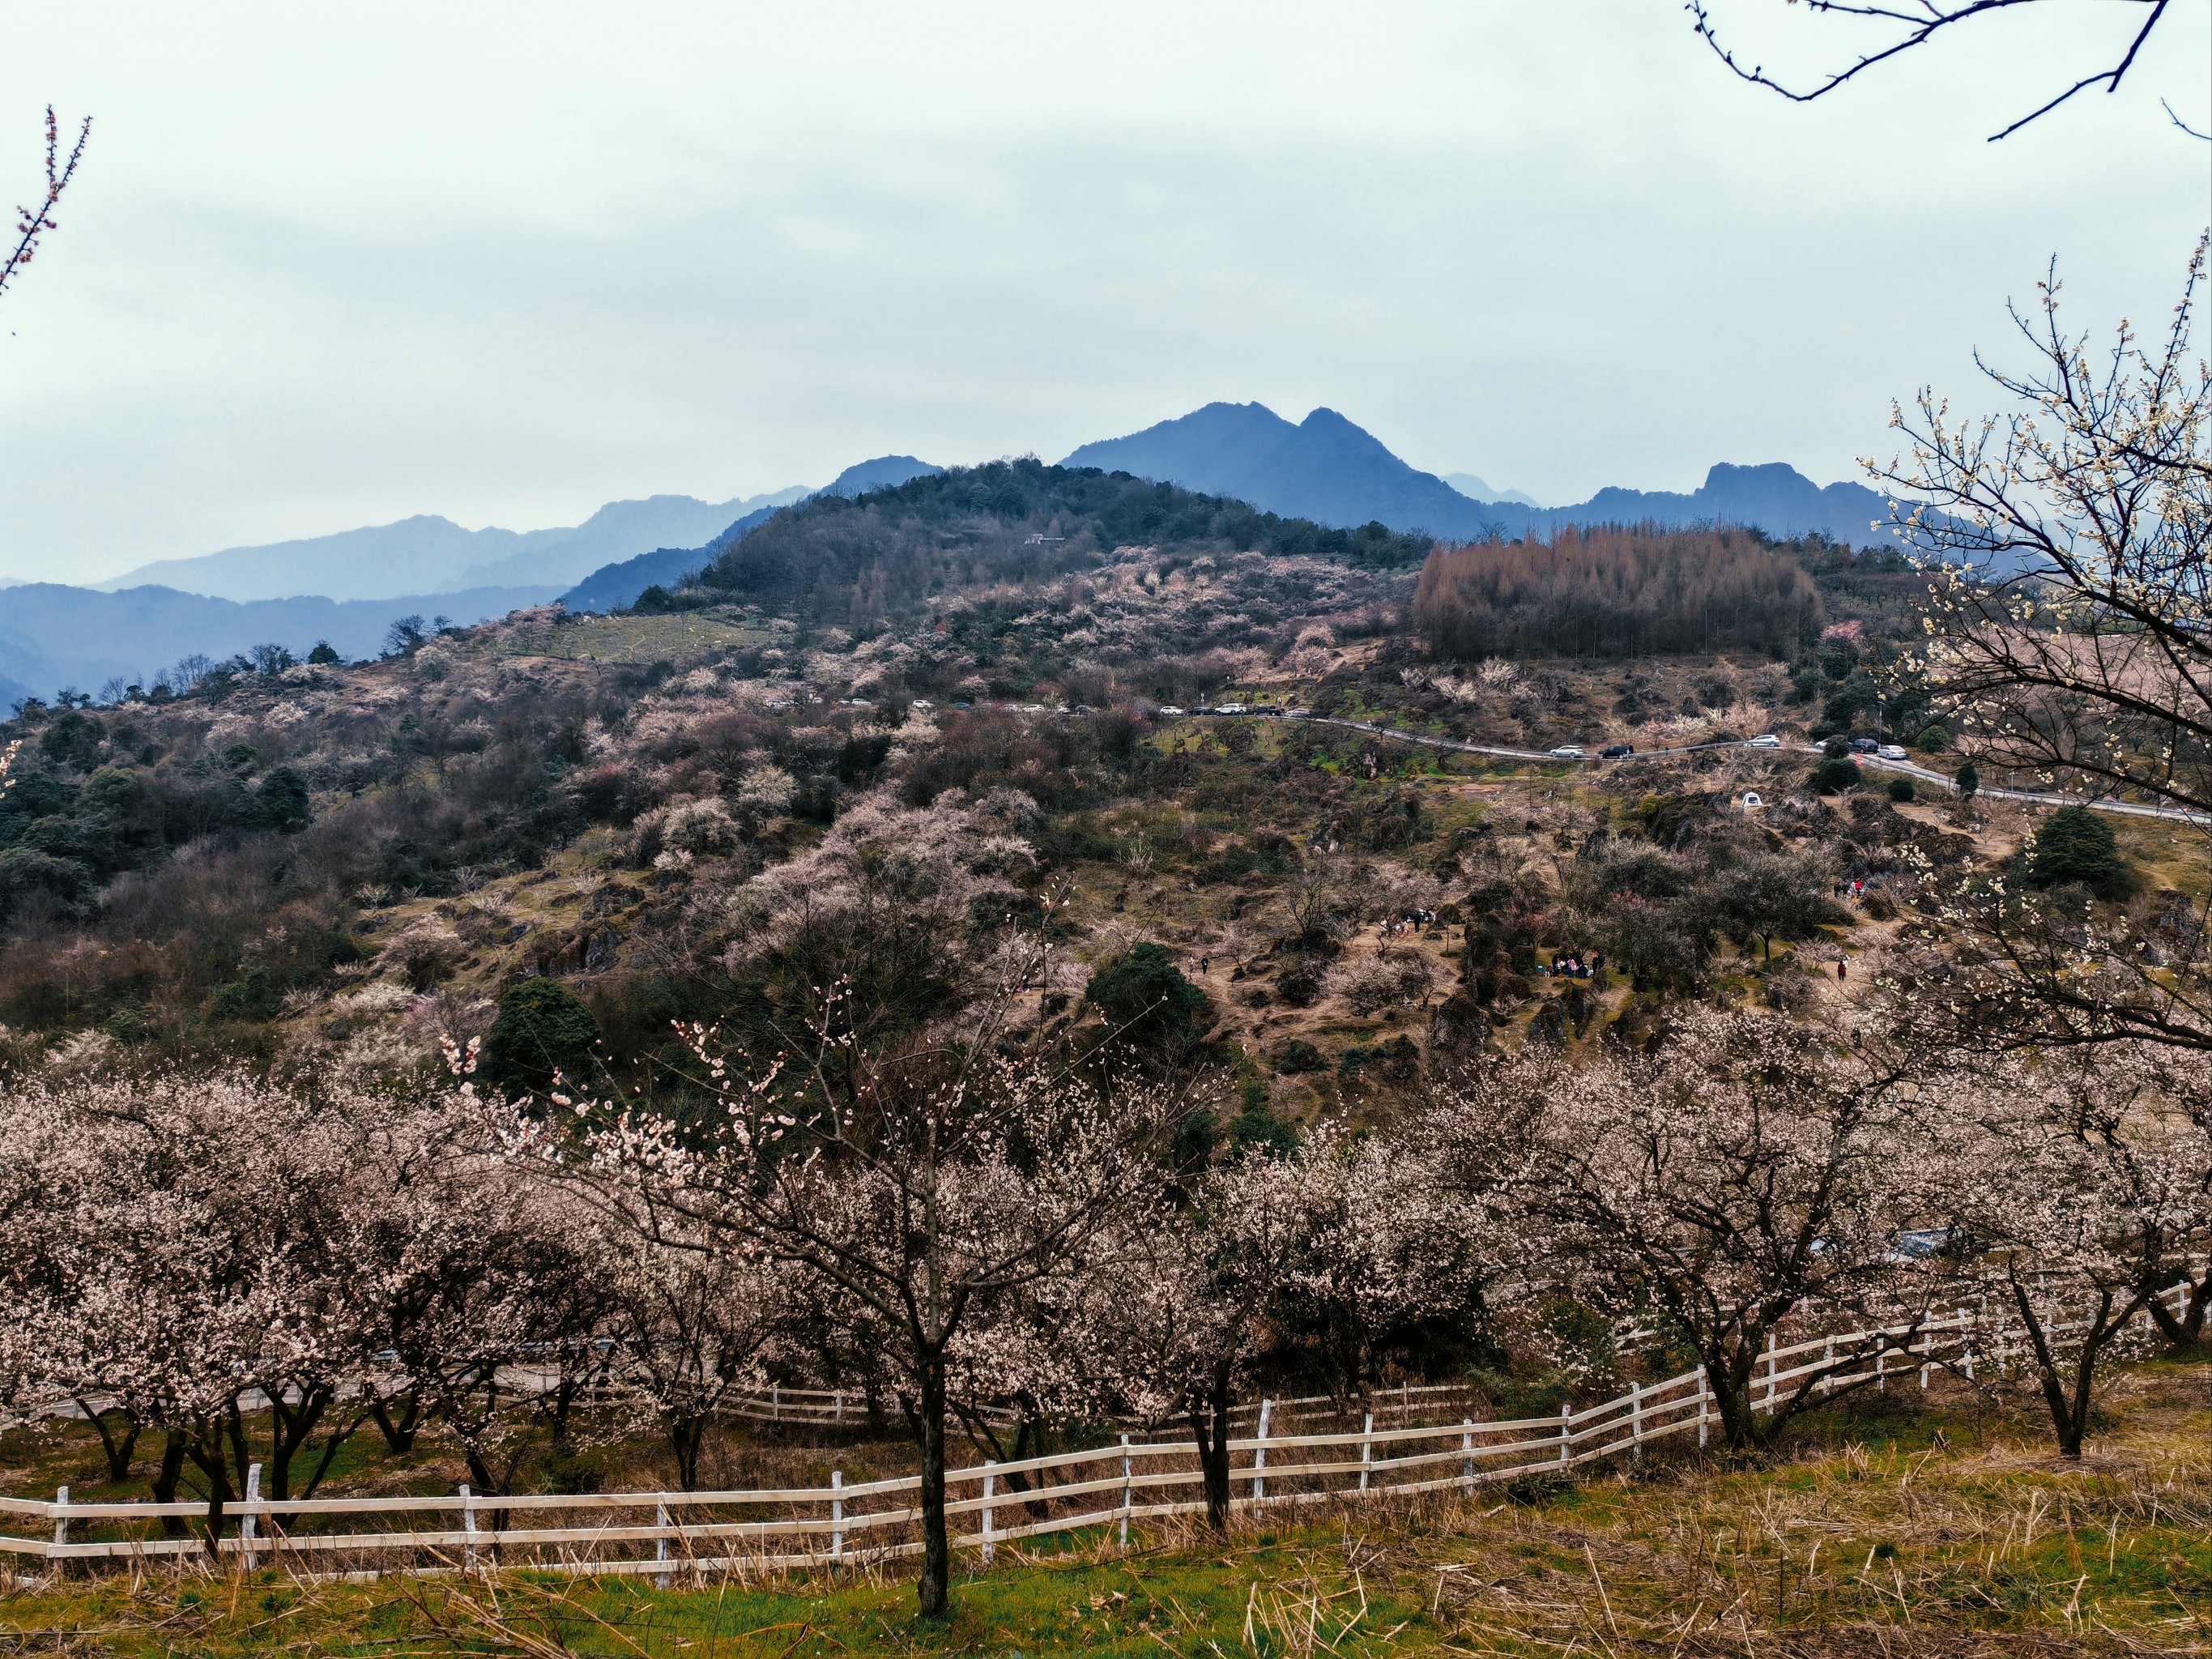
(52, 637)
(426, 554)
(1328, 470)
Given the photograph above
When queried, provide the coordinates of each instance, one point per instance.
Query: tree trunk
(399, 1432)
(166, 1475)
(1209, 1425)
(2185, 1329)
(209, 1450)
(116, 1444)
(290, 1428)
(1729, 1378)
(936, 1586)
(2070, 1417)
(685, 1436)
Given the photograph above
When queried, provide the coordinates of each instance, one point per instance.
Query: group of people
(1573, 966)
(1853, 890)
(1409, 922)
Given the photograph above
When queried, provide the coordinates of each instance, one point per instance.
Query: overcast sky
(330, 265)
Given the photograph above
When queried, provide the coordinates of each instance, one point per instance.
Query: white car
(1168, 709)
(1764, 740)
(1229, 708)
(1567, 752)
(1892, 752)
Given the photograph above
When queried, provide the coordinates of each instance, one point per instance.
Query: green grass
(1888, 1529)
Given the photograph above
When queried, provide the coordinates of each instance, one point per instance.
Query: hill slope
(615, 587)
(843, 561)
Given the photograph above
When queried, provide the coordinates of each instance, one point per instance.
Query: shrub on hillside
(542, 1027)
(2074, 846)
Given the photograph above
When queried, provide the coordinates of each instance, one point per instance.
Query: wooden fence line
(1147, 1479)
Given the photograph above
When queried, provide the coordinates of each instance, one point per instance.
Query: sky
(334, 265)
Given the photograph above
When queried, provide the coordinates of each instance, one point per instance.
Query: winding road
(2128, 808)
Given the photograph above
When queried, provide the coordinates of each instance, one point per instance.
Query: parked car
(1764, 740)
(1229, 708)
(1617, 750)
(1863, 745)
(1892, 751)
(1298, 713)
(1168, 709)
(1567, 752)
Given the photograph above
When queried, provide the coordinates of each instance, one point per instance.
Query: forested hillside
(847, 561)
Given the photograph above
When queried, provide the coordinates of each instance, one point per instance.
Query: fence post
(1366, 1449)
(469, 1526)
(1635, 1415)
(836, 1515)
(990, 1533)
(775, 1402)
(837, 1414)
(1260, 1454)
(1128, 1490)
(660, 1544)
(1770, 1373)
(61, 1522)
(1927, 1340)
(1703, 1405)
(1965, 1345)
(1566, 1431)
(1466, 1454)
(246, 1518)
(1828, 1367)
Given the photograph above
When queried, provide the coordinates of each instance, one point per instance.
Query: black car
(1865, 745)
(1616, 751)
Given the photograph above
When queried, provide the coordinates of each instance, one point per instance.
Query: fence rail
(1114, 1486)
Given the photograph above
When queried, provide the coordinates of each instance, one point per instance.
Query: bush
(1901, 789)
(1299, 1055)
(542, 1027)
(1148, 1004)
(1932, 740)
(1836, 777)
(2077, 847)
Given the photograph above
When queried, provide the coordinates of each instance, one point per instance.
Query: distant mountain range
(429, 555)
(1476, 491)
(349, 588)
(612, 587)
(1326, 469)
(52, 637)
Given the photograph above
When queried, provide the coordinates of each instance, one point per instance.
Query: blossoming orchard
(990, 1240)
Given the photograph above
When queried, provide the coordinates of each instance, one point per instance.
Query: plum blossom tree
(2066, 542)
(2075, 1199)
(921, 1185)
(694, 1325)
(203, 1260)
(1750, 1173)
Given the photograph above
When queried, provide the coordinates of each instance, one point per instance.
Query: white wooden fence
(1113, 1486)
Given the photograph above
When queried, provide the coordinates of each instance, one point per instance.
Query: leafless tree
(1910, 24)
(34, 223)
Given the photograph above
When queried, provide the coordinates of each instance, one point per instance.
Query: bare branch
(1918, 23)
(32, 223)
